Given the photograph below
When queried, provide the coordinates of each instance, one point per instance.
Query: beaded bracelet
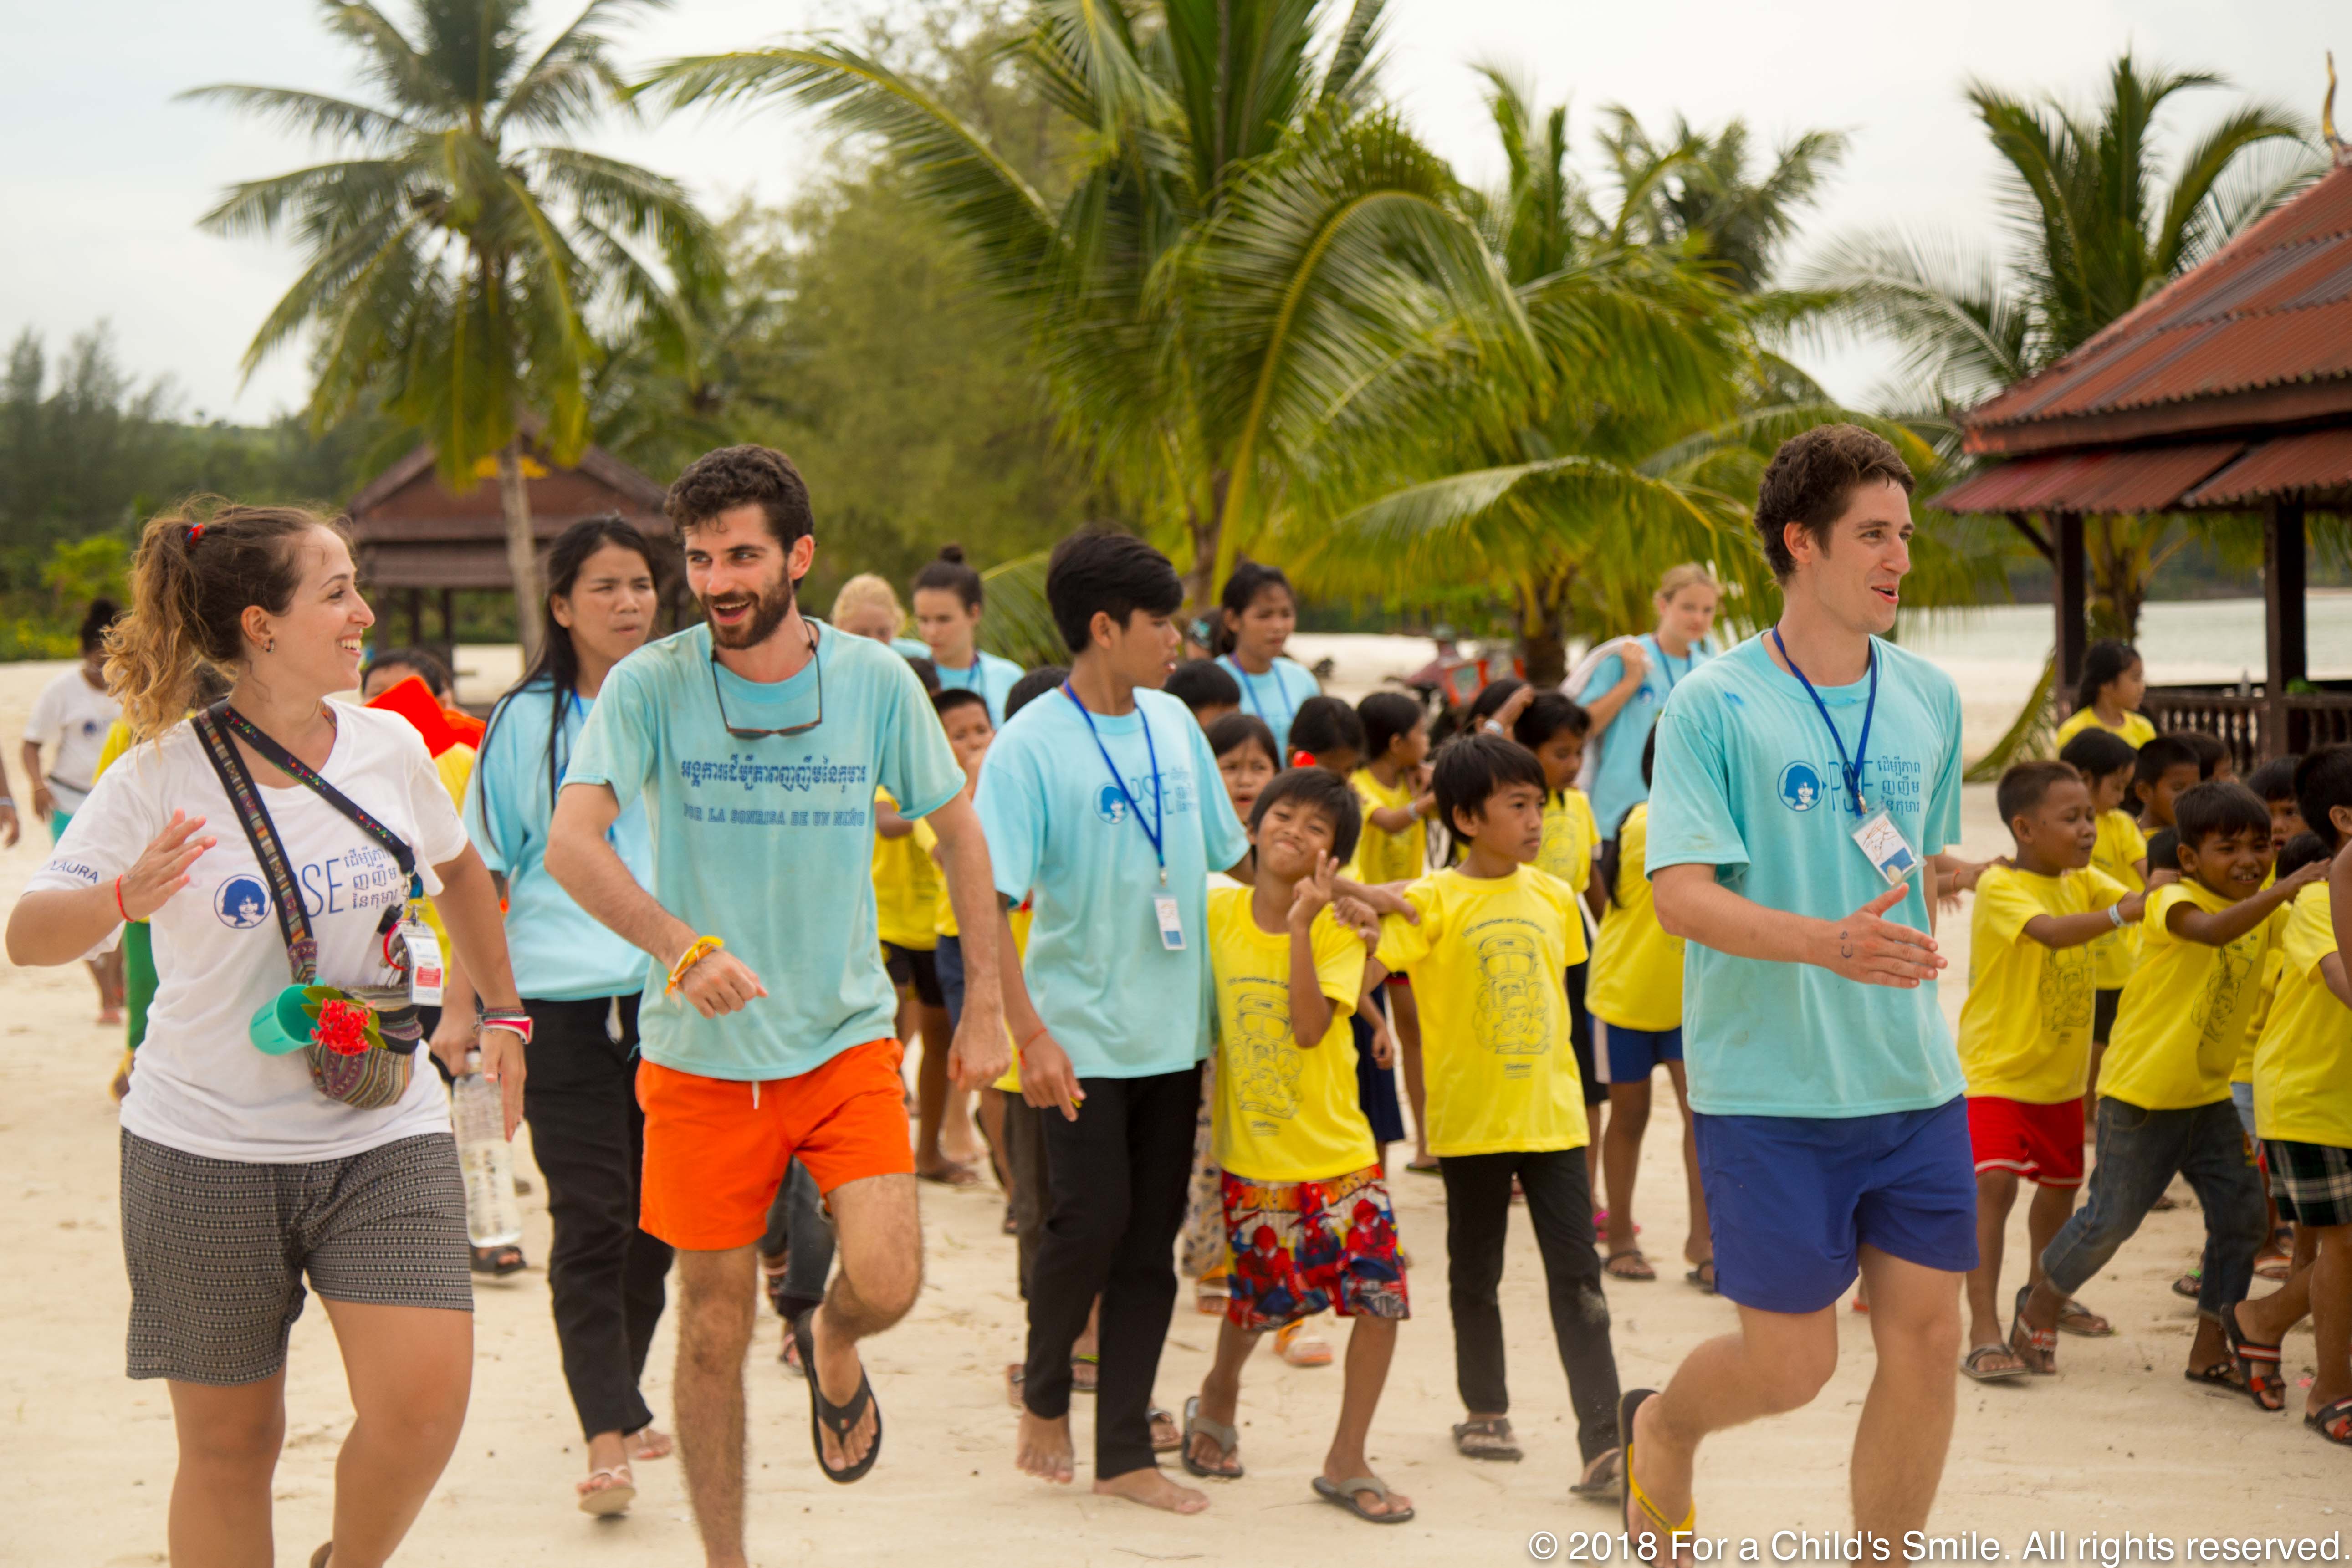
(703, 947)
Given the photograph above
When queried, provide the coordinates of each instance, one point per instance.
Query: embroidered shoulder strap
(301, 947)
(296, 768)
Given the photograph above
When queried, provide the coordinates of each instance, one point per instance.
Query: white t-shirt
(200, 1086)
(71, 717)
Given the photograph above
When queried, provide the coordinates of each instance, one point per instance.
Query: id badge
(423, 963)
(1890, 853)
(1171, 922)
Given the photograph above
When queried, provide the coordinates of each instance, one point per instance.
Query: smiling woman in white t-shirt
(240, 1176)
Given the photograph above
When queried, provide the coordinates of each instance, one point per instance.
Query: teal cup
(282, 1028)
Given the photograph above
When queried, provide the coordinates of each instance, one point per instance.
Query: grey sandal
(1228, 1442)
(1344, 1494)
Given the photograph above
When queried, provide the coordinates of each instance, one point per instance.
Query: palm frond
(573, 75)
(1020, 624)
(312, 114)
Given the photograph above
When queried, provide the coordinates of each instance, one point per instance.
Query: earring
(269, 646)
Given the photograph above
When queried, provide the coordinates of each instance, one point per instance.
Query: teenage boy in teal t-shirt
(1102, 802)
(1825, 1088)
(757, 741)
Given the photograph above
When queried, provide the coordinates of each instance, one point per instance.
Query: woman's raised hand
(161, 869)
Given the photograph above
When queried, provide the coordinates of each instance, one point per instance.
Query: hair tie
(194, 531)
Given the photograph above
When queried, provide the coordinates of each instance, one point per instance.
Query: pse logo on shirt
(1800, 786)
(242, 904)
(1174, 789)
(1110, 805)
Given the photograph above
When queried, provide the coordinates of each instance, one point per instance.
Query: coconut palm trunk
(522, 549)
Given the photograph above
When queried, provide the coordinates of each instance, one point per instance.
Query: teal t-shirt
(561, 952)
(1059, 830)
(1274, 695)
(769, 843)
(1617, 786)
(1747, 780)
(991, 676)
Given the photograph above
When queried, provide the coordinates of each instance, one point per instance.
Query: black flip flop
(842, 1418)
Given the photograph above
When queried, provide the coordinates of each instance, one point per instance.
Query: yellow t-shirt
(2025, 1027)
(456, 767)
(1570, 838)
(1380, 856)
(2120, 848)
(2303, 1066)
(2242, 1069)
(1019, 921)
(906, 890)
(944, 921)
(118, 740)
(2184, 1010)
(1284, 1113)
(1489, 964)
(2136, 729)
(1637, 968)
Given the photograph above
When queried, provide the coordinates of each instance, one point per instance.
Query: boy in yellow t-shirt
(2164, 1090)
(1394, 788)
(1506, 1101)
(2106, 762)
(2025, 1034)
(1305, 1208)
(2302, 1109)
(1636, 998)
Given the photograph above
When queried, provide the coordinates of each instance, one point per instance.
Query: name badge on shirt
(423, 963)
(1889, 852)
(1171, 922)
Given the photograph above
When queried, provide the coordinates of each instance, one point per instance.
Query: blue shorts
(1791, 1199)
(1630, 1056)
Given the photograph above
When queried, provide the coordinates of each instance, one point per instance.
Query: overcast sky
(103, 174)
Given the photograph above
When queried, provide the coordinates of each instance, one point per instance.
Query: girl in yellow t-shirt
(2114, 684)
(1394, 787)
(1636, 999)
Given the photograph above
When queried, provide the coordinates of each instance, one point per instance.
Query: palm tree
(1692, 187)
(462, 258)
(1252, 260)
(2095, 230)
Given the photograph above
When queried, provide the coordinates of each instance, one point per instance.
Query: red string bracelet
(117, 901)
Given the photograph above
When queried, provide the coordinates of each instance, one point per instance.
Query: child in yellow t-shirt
(1305, 1208)
(1554, 728)
(2106, 762)
(2303, 1111)
(2164, 1090)
(1394, 787)
(1506, 1101)
(1636, 1000)
(2025, 1034)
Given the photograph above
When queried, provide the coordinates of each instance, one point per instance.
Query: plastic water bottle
(493, 1214)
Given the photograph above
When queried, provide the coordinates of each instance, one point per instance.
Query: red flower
(341, 1027)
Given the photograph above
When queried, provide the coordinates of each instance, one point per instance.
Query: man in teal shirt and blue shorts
(1801, 782)
(757, 742)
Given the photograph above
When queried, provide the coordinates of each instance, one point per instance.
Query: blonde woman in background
(1631, 683)
(867, 607)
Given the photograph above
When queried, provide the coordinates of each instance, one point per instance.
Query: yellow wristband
(704, 946)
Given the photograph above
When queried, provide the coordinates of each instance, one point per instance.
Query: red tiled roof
(2149, 480)
(2273, 306)
(2315, 460)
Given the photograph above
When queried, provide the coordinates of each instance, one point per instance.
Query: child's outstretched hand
(1312, 896)
(1358, 917)
(1383, 1043)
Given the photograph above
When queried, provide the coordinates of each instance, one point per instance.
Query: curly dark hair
(731, 477)
(1812, 477)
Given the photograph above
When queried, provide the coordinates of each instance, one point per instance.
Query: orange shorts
(716, 1149)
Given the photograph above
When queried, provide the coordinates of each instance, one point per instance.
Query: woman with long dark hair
(1255, 616)
(606, 1276)
(277, 836)
(948, 601)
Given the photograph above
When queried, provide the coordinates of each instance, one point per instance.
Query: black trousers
(1477, 1219)
(1024, 1157)
(1117, 1178)
(800, 1233)
(606, 1276)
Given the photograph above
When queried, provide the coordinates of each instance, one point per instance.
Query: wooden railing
(2242, 721)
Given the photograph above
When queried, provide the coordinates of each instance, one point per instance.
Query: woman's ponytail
(196, 571)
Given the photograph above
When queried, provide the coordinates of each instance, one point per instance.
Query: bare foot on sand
(1152, 1490)
(1044, 1449)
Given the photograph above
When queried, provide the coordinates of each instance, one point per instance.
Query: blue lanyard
(1249, 689)
(1153, 831)
(1861, 744)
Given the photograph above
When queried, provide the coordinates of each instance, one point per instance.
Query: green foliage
(80, 570)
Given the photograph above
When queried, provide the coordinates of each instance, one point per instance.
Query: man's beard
(770, 614)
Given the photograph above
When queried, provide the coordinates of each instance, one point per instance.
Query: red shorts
(2044, 1142)
(716, 1149)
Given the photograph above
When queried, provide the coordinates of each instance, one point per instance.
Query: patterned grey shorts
(2313, 1182)
(216, 1249)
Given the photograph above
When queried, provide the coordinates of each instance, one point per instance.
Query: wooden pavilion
(418, 539)
(2229, 391)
